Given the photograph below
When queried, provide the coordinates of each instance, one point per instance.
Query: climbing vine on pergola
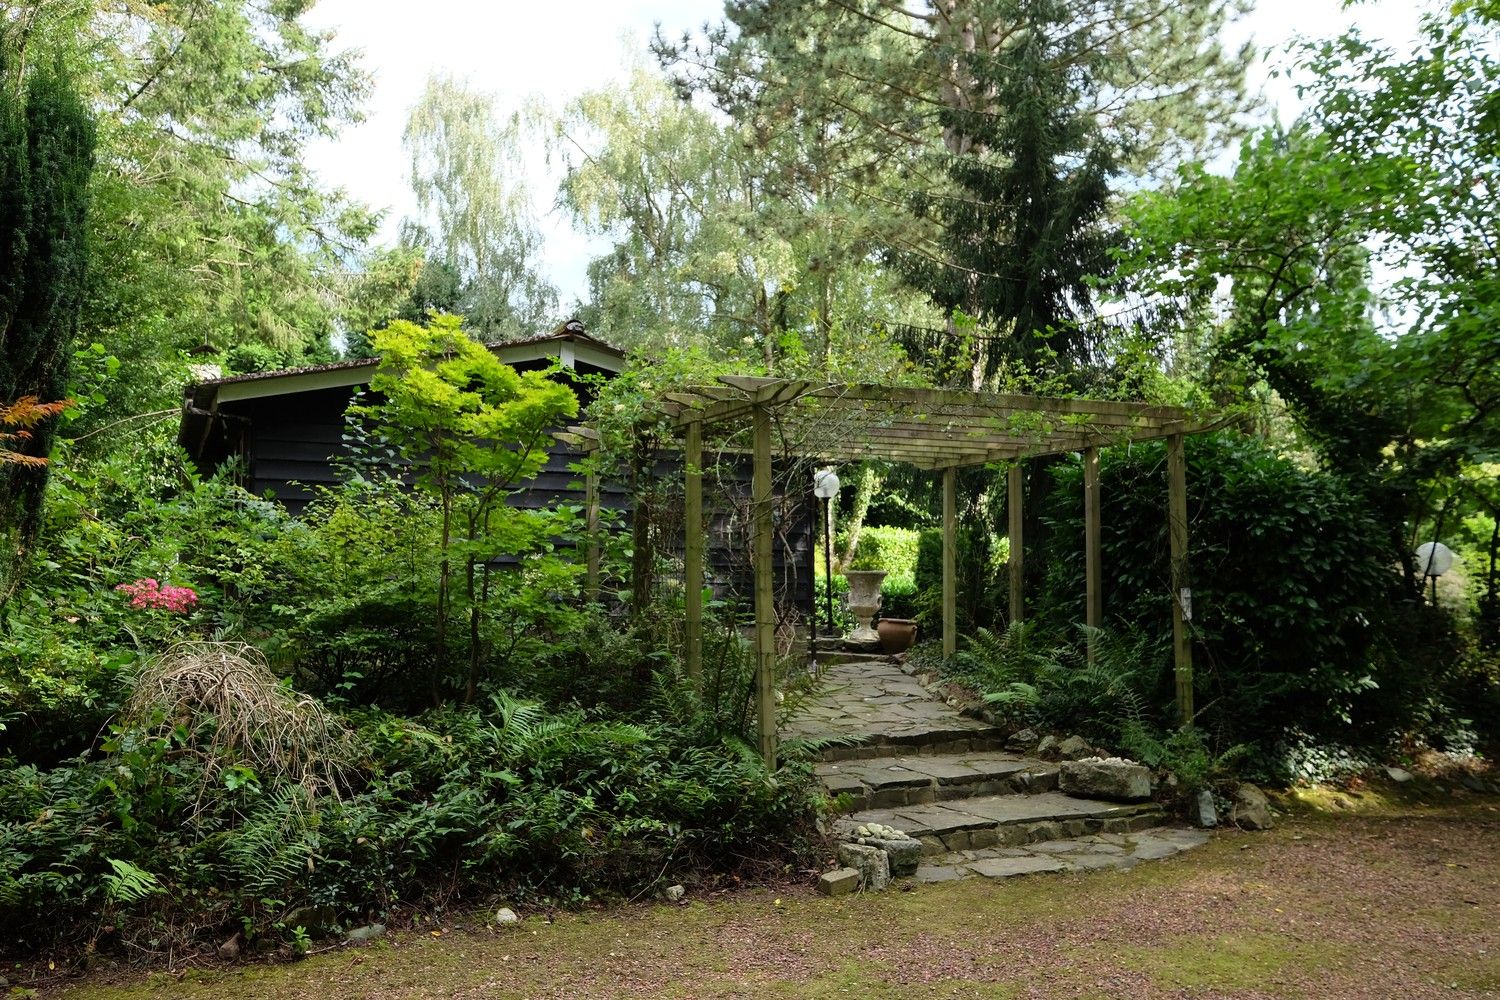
(940, 430)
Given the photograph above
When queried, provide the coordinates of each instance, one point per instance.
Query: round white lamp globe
(1434, 558)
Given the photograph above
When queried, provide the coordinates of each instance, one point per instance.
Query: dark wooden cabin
(286, 428)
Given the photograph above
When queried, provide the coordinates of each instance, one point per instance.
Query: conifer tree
(46, 156)
(1023, 225)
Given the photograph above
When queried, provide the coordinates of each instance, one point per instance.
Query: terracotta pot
(896, 634)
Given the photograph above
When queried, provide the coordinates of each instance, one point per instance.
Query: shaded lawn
(1402, 903)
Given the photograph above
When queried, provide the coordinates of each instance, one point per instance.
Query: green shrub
(843, 621)
(979, 564)
(898, 597)
(462, 802)
(1297, 622)
(891, 549)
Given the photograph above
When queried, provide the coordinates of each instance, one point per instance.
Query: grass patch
(1235, 961)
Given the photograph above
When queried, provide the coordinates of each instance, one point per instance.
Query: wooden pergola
(941, 430)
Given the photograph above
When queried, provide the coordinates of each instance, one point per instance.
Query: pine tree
(1023, 226)
(46, 157)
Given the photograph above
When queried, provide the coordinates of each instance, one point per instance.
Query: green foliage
(47, 141)
(891, 549)
(1023, 222)
(1297, 621)
(898, 597)
(843, 621)
(1027, 677)
(473, 220)
(980, 568)
(547, 805)
(474, 428)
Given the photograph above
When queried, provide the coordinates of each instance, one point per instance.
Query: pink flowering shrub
(149, 593)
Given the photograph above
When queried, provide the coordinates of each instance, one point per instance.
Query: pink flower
(149, 593)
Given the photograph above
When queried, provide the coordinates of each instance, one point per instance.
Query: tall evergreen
(1023, 226)
(46, 157)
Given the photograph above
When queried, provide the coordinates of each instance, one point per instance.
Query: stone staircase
(909, 761)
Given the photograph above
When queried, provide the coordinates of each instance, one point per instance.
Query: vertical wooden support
(1094, 585)
(591, 532)
(950, 561)
(1182, 594)
(1017, 569)
(692, 563)
(765, 594)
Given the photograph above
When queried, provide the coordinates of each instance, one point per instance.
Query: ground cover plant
(1390, 899)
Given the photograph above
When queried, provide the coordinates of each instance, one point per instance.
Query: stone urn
(897, 635)
(864, 601)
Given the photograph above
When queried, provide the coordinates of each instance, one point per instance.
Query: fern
(128, 884)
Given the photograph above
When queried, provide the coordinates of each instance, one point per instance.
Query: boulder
(1075, 748)
(230, 950)
(318, 921)
(674, 893)
(1251, 810)
(1105, 778)
(1206, 814)
(902, 855)
(505, 915)
(839, 883)
(1047, 748)
(871, 862)
(1398, 774)
(369, 932)
(1022, 742)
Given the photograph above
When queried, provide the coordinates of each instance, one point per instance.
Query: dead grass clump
(241, 715)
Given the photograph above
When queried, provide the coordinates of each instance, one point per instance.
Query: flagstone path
(899, 756)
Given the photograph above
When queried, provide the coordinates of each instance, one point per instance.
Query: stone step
(1096, 852)
(840, 657)
(1006, 820)
(919, 741)
(911, 780)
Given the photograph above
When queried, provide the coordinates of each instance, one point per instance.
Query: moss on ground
(1380, 904)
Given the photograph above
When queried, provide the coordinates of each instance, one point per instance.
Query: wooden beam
(1017, 569)
(1182, 594)
(765, 595)
(1094, 586)
(950, 562)
(993, 402)
(692, 568)
(591, 533)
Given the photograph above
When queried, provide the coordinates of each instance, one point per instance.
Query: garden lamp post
(825, 488)
(1434, 559)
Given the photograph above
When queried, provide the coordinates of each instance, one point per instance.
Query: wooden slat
(950, 564)
(1013, 493)
(1182, 597)
(1093, 584)
(591, 527)
(765, 593)
(692, 570)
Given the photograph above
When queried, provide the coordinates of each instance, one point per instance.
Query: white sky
(519, 50)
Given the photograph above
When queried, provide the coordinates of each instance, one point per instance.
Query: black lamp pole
(828, 559)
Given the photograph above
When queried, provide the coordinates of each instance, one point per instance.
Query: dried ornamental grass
(240, 714)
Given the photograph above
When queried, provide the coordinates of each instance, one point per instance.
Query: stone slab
(1006, 867)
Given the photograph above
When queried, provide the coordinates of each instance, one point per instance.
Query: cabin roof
(569, 342)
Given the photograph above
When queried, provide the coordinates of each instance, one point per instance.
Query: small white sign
(1185, 598)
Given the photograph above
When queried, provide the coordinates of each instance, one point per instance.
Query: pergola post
(692, 562)
(1094, 586)
(1182, 595)
(765, 594)
(591, 533)
(1017, 568)
(950, 567)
